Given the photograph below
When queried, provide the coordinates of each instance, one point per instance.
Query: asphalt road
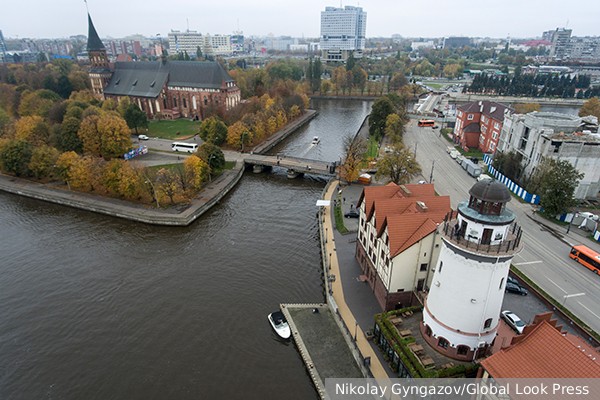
(544, 258)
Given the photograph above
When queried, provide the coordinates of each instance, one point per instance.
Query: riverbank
(206, 198)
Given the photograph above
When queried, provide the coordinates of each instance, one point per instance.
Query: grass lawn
(372, 148)
(173, 129)
(434, 85)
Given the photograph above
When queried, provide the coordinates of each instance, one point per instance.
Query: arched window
(443, 343)
(487, 323)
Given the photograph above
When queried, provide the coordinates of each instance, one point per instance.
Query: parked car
(515, 288)
(512, 280)
(484, 177)
(352, 214)
(435, 127)
(143, 137)
(513, 320)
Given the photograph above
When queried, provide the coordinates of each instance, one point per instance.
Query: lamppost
(565, 297)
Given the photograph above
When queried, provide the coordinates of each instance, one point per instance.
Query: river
(94, 307)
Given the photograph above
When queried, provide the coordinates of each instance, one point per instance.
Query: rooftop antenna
(188, 24)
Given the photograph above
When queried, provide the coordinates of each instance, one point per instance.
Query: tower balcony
(509, 245)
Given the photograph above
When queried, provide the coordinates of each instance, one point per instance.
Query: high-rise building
(2, 47)
(342, 33)
(185, 42)
(462, 310)
(561, 39)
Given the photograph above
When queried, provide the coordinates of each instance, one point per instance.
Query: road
(544, 258)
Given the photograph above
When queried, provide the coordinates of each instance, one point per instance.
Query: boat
(316, 140)
(280, 325)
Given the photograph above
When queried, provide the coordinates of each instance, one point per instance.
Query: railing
(510, 244)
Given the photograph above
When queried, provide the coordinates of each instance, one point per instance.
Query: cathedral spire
(94, 43)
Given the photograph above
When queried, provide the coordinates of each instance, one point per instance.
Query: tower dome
(490, 190)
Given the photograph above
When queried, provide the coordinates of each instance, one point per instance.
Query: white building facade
(540, 135)
(343, 32)
(462, 310)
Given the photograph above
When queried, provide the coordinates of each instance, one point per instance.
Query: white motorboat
(279, 324)
(316, 140)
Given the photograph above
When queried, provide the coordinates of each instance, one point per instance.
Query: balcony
(510, 244)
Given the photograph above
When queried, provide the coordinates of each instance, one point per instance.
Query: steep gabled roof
(488, 108)
(94, 43)
(405, 230)
(146, 79)
(370, 194)
(543, 353)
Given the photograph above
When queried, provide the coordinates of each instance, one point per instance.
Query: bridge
(295, 166)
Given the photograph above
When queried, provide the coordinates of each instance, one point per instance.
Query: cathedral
(167, 89)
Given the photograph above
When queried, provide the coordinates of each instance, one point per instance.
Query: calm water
(93, 307)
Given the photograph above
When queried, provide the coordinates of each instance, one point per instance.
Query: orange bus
(586, 257)
(426, 122)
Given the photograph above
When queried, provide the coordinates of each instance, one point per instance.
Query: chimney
(421, 206)
(405, 190)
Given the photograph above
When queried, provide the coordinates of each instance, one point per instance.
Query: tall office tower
(342, 33)
(462, 310)
(2, 48)
(561, 41)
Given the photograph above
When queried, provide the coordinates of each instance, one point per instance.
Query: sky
(300, 18)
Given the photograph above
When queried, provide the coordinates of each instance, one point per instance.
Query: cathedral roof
(94, 43)
(146, 79)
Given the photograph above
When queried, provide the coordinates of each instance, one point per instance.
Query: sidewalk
(355, 302)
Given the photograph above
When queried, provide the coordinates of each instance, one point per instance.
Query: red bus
(426, 122)
(586, 257)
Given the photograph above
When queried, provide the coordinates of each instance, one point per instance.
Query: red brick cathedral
(171, 89)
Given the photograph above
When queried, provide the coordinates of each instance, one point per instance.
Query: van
(183, 146)
(484, 177)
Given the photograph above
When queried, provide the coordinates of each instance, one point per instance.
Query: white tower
(479, 240)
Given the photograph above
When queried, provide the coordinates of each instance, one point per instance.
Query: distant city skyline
(517, 19)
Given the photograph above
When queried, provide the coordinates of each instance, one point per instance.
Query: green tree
(509, 164)
(379, 113)
(355, 149)
(212, 155)
(4, 121)
(68, 140)
(400, 166)
(350, 62)
(558, 180)
(135, 118)
(394, 128)
(43, 161)
(15, 156)
(213, 130)
(591, 107)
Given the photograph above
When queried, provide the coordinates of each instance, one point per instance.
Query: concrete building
(185, 42)
(478, 125)
(455, 41)
(191, 89)
(2, 48)
(537, 135)
(559, 49)
(462, 309)
(428, 44)
(343, 32)
(397, 240)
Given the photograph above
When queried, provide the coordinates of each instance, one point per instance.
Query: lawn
(372, 148)
(173, 129)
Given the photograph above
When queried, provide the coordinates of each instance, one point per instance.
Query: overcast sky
(299, 18)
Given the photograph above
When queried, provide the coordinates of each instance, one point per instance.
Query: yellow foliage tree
(294, 111)
(89, 135)
(196, 171)
(235, 132)
(281, 119)
(271, 125)
(130, 181)
(43, 160)
(32, 129)
(115, 138)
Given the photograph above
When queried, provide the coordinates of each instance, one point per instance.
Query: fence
(512, 186)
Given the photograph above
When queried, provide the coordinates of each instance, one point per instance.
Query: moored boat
(315, 140)
(279, 324)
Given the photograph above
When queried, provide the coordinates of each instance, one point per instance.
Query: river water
(94, 307)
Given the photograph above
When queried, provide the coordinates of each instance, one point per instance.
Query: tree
(237, 132)
(212, 155)
(353, 157)
(43, 160)
(89, 135)
(509, 164)
(379, 113)
(168, 183)
(398, 80)
(350, 62)
(38, 102)
(558, 180)
(526, 108)
(115, 139)
(4, 120)
(15, 156)
(394, 128)
(400, 166)
(591, 107)
(68, 140)
(135, 118)
(32, 129)
(213, 130)
(196, 171)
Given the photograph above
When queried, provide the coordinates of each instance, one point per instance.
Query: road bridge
(295, 166)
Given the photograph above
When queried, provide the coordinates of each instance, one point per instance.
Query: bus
(426, 122)
(586, 257)
(182, 146)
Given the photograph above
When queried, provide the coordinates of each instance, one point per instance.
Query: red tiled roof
(543, 353)
(371, 194)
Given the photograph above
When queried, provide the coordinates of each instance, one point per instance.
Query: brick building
(173, 89)
(478, 125)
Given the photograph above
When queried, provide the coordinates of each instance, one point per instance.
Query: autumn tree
(114, 136)
(394, 128)
(89, 135)
(32, 129)
(236, 133)
(196, 171)
(43, 161)
(67, 139)
(379, 113)
(213, 130)
(590, 107)
(37, 102)
(353, 157)
(168, 184)
(212, 155)
(400, 166)
(526, 108)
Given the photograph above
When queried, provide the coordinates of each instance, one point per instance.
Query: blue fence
(513, 187)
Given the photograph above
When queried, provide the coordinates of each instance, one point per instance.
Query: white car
(484, 177)
(513, 320)
(143, 137)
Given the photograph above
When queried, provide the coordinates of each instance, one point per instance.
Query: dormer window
(117, 82)
(153, 83)
(134, 83)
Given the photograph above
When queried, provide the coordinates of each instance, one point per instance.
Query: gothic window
(184, 103)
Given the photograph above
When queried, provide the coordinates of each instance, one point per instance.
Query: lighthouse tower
(479, 240)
